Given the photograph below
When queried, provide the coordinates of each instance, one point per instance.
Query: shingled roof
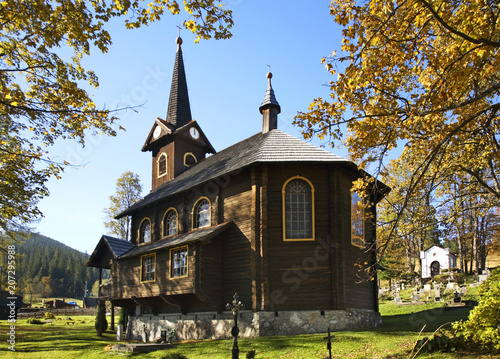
(107, 249)
(198, 235)
(271, 147)
(179, 111)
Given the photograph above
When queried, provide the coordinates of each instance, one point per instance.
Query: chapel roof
(270, 147)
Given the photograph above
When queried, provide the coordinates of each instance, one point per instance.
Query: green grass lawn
(395, 339)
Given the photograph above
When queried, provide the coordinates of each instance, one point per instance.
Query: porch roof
(107, 249)
(197, 235)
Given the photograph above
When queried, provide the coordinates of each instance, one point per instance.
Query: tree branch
(451, 29)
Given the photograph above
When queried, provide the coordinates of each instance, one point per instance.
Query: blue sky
(226, 84)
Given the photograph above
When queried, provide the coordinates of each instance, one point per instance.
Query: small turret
(269, 109)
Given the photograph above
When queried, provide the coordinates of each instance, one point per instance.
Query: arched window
(357, 221)
(145, 231)
(162, 165)
(298, 210)
(201, 213)
(189, 159)
(170, 223)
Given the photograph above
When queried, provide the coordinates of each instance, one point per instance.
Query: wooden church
(271, 218)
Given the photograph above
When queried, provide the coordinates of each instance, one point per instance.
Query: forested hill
(48, 268)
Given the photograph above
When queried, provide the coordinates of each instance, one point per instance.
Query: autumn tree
(44, 89)
(422, 74)
(128, 191)
(469, 214)
(418, 227)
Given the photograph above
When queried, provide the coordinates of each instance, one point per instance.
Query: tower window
(298, 209)
(189, 159)
(162, 165)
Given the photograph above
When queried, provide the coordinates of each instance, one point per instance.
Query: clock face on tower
(157, 132)
(194, 133)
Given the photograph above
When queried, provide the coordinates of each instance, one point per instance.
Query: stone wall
(218, 326)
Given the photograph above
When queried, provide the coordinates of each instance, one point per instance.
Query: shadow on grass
(431, 319)
(54, 338)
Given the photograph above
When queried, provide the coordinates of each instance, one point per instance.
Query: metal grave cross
(329, 343)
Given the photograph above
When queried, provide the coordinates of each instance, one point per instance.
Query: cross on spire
(179, 32)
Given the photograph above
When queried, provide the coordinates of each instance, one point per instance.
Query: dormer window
(162, 165)
(189, 159)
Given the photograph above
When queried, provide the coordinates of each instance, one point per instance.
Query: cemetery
(445, 288)
(55, 339)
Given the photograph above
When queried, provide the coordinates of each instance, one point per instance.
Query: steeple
(179, 111)
(269, 108)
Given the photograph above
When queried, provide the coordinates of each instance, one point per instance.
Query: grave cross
(235, 308)
(329, 343)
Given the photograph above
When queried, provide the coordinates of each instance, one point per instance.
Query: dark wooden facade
(250, 256)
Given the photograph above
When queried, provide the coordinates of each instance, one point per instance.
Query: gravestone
(119, 332)
(437, 294)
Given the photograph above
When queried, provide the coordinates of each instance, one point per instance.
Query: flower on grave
(158, 340)
(171, 335)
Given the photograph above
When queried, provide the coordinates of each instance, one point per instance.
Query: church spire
(269, 108)
(179, 111)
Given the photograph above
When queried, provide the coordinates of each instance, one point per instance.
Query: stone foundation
(218, 326)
